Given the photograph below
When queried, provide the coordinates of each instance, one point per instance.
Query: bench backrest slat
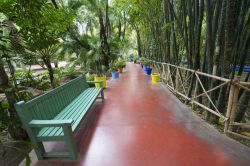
(48, 105)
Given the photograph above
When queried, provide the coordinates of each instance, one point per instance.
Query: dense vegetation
(207, 35)
(90, 34)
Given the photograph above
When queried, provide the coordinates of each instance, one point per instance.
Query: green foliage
(5, 105)
(120, 63)
(70, 71)
(135, 57)
(58, 74)
(40, 23)
(146, 62)
(25, 95)
(113, 66)
(28, 79)
(4, 115)
(90, 77)
(24, 78)
(44, 86)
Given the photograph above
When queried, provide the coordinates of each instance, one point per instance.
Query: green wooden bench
(55, 115)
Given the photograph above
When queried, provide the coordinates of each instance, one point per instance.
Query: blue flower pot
(144, 67)
(148, 70)
(115, 75)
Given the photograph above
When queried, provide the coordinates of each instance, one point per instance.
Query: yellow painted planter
(103, 79)
(155, 77)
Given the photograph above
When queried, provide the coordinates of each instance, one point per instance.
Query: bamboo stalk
(181, 81)
(195, 92)
(245, 84)
(197, 103)
(206, 93)
(210, 110)
(229, 107)
(170, 77)
(239, 135)
(241, 86)
(176, 80)
(210, 90)
(234, 104)
(167, 74)
(176, 92)
(245, 125)
(204, 74)
(239, 124)
(163, 72)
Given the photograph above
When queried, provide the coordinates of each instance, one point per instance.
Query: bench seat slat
(71, 108)
(75, 111)
(63, 115)
(47, 131)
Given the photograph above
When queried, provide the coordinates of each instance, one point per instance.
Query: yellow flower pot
(155, 77)
(103, 79)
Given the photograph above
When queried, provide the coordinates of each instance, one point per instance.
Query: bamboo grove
(211, 36)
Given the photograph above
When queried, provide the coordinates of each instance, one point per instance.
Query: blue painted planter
(148, 70)
(115, 75)
(144, 67)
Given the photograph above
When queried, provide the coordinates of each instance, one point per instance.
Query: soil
(11, 156)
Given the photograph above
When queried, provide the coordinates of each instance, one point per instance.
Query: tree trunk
(15, 127)
(232, 11)
(104, 39)
(138, 39)
(50, 70)
(56, 64)
(218, 63)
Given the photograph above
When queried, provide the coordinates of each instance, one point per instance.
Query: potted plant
(135, 58)
(114, 70)
(120, 64)
(141, 64)
(101, 76)
(148, 68)
(155, 77)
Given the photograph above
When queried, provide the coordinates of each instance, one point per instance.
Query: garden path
(144, 124)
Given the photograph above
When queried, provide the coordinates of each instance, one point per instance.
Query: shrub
(90, 77)
(25, 95)
(70, 71)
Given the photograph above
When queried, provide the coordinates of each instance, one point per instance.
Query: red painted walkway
(141, 124)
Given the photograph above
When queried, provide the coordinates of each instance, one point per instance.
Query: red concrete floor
(143, 124)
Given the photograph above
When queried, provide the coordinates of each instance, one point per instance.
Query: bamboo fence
(178, 78)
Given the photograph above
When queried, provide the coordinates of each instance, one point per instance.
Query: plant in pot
(141, 61)
(135, 58)
(148, 68)
(113, 69)
(90, 77)
(144, 65)
(101, 70)
(155, 77)
(120, 64)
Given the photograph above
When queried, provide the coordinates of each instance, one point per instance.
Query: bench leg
(102, 94)
(39, 148)
(70, 143)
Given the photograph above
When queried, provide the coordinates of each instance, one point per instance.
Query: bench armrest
(50, 123)
(93, 82)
